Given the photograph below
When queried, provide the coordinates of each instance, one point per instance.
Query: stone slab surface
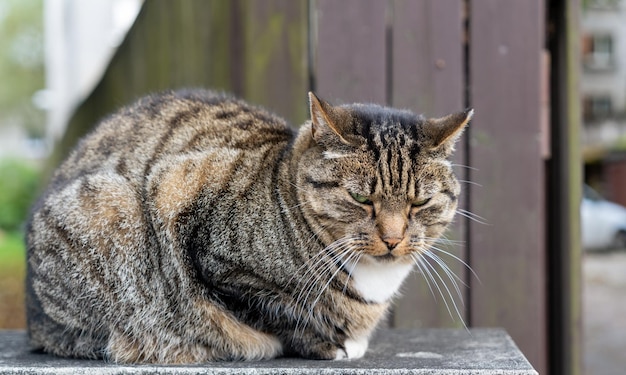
(425, 351)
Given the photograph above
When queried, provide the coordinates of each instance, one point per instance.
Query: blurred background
(22, 142)
(66, 63)
(53, 54)
(603, 217)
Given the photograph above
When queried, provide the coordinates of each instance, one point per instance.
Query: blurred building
(80, 39)
(603, 89)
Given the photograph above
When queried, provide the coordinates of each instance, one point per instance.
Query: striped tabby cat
(192, 227)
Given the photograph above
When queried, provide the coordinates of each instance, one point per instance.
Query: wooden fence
(434, 57)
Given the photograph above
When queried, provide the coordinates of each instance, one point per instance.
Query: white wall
(81, 36)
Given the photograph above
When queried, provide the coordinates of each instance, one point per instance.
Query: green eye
(420, 203)
(360, 198)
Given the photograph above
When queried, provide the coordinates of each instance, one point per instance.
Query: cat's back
(97, 235)
(171, 124)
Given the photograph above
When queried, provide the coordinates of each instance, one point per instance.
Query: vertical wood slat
(427, 61)
(508, 254)
(344, 27)
(428, 77)
(275, 63)
(565, 253)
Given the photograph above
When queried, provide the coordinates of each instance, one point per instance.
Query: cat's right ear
(444, 132)
(327, 120)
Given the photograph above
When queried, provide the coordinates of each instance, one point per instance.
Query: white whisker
(331, 255)
(418, 262)
(297, 205)
(323, 289)
(472, 216)
(324, 254)
(443, 283)
(316, 256)
(451, 275)
(457, 259)
(426, 267)
(350, 273)
(297, 187)
(443, 240)
(470, 183)
(465, 166)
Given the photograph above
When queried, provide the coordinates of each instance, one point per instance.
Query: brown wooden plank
(427, 63)
(350, 50)
(276, 56)
(428, 77)
(509, 253)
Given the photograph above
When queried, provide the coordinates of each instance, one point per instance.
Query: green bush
(19, 184)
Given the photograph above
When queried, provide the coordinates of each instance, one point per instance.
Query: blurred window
(596, 108)
(598, 52)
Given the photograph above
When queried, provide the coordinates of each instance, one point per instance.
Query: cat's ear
(445, 131)
(327, 120)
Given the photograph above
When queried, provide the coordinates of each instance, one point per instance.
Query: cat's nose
(392, 227)
(391, 242)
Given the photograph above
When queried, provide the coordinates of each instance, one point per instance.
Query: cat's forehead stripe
(398, 130)
(392, 139)
(393, 171)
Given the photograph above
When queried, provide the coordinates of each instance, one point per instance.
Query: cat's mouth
(389, 257)
(372, 260)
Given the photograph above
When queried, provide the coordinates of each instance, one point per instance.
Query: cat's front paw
(352, 349)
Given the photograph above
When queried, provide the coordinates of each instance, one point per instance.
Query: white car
(603, 223)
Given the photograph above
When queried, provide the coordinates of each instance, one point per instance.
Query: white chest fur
(377, 281)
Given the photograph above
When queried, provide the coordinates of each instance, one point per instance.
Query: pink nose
(391, 242)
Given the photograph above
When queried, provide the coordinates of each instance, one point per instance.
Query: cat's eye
(420, 202)
(361, 198)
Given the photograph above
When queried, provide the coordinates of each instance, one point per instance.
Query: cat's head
(376, 181)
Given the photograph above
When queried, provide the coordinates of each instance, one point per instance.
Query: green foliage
(12, 253)
(18, 188)
(12, 274)
(600, 4)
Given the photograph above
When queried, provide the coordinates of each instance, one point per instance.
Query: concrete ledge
(428, 351)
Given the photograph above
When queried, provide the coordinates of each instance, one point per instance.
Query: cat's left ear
(327, 121)
(445, 131)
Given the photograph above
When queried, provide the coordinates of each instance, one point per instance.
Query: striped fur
(192, 227)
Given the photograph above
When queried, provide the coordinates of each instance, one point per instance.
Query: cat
(192, 227)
